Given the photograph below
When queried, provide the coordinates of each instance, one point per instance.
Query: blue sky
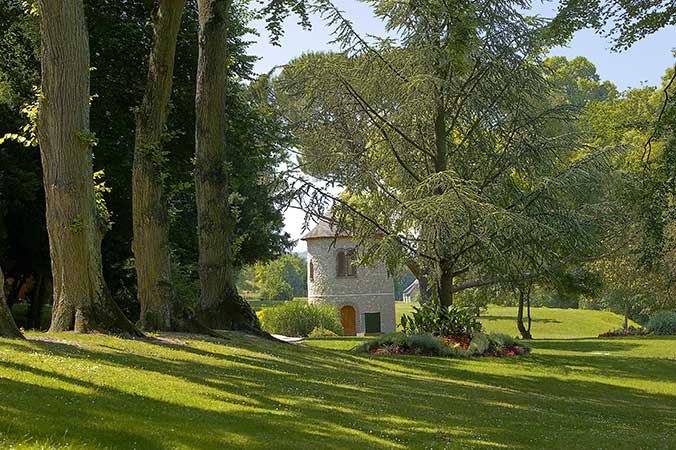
(643, 64)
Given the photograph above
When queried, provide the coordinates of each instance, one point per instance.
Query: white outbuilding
(364, 294)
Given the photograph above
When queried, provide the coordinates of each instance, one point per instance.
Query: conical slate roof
(324, 230)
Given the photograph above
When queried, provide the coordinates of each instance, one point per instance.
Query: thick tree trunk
(220, 306)
(422, 278)
(445, 287)
(8, 328)
(156, 293)
(525, 333)
(81, 299)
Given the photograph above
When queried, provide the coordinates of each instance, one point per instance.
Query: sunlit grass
(548, 323)
(177, 392)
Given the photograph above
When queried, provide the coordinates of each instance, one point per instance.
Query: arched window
(341, 264)
(345, 266)
(312, 271)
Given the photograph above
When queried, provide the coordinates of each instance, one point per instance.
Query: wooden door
(348, 317)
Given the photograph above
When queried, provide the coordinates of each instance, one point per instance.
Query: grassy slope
(548, 323)
(103, 392)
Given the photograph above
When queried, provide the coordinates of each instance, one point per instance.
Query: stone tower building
(363, 294)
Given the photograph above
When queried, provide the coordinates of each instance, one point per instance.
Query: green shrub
(321, 332)
(428, 345)
(499, 342)
(663, 322)
(479, 344)
(440, 321)
(21, 313)
(298, 318)
(403, 344)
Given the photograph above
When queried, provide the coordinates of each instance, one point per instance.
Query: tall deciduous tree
(8, 328)
(156, 293)
(220, 306)
(450, 146)
(81, 299)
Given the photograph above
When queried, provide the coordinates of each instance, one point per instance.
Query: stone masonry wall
(371, 290)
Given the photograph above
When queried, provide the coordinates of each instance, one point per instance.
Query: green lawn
(548, 323)
(180, 393)
(257, 304)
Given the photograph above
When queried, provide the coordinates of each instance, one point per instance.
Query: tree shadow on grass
(255, 394)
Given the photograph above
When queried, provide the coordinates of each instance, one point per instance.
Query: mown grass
(548, 323)
(82, 392)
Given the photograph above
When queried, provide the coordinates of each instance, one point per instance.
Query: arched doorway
(348, 318)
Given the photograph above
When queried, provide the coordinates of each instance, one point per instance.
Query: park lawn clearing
(182, 392)
(548, 323)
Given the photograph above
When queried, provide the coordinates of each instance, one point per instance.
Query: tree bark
(156, 293)
(626, 313)
(82, 301)
(422, 278)
(445, 286)
(8, 328)
(220, 306)
(525, 333)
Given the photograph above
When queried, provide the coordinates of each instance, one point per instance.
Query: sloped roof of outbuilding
(324, 230)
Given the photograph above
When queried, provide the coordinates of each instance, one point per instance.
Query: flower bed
(479, 344)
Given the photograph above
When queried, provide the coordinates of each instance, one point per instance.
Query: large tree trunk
(81, 299)
(445, 287)
(525, 333)
(156, 293)
(220, 306)
(8, 328)
(422, 278)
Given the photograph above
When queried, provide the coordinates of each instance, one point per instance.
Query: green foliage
(430, 345)
(321, 332)
(410, 343)
(626, 21)
(299, 318)
(455, 144)
(499, 342)
(21, 312)
(282, 279)
(100, 191)
(119, 43)
(663, 322)
(479, 344)
(548, 323)
(88, 137)
(440, 321)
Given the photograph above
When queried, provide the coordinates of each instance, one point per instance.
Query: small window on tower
(345, 265)
(341, 264)
(312, 271)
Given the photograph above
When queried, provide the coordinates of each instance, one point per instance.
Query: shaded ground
(182, 393)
